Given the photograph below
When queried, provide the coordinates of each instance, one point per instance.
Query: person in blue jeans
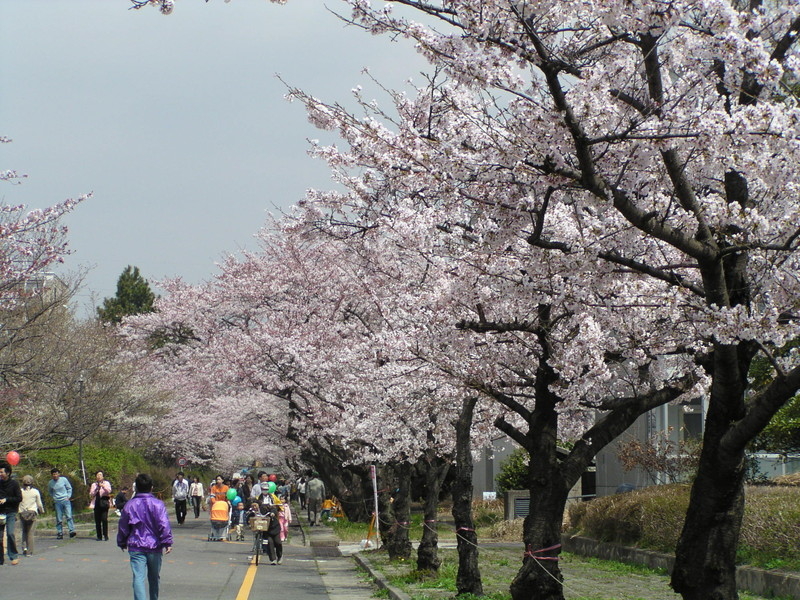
(60, 490)
(144, 531)
(10, 497)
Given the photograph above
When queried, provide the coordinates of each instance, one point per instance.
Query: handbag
(103, 502)
(28, 515)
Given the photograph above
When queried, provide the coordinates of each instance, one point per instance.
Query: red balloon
(13, 458)
(272, 477)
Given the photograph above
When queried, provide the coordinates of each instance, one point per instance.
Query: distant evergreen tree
(134, 296)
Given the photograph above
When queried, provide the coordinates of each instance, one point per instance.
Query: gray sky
(176, 123)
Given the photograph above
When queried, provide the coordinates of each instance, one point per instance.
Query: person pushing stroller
(220, 520)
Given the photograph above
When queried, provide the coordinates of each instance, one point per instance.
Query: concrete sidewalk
(340, 573)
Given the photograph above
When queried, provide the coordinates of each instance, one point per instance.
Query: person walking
(219, 490)
(246, 490)
(272, 536)
(196, 494)
(30, 508)
(144, 531)
(301, 492)
(10, 497)
(60, 490)
(100, 501)
(315, 492)
(180, 495)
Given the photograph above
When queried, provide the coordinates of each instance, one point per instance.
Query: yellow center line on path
(247, 584)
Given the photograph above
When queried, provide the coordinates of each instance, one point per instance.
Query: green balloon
(271, 487)
(231, 494)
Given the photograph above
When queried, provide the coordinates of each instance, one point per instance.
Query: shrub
(653, 518)
(513, 473)
(487, 512)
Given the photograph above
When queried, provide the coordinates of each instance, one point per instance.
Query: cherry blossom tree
(624, 169)
(665, 131)
(32, 241)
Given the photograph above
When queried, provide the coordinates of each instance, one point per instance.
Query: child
(239, 518)
(325, 513)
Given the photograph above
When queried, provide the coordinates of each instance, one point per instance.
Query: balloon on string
(236, 501)
(271, 487)
(231, 494)
(13, 458)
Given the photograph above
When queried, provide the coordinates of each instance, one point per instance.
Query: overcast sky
(177, 123)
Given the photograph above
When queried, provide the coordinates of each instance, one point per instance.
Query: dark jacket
(10, 490)
(120, 501)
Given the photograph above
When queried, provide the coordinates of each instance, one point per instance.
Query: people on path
(60, 490)
(285, 518)
(220, 515)
(272, 540)
(301, 492)
(246, 491)
(272, 536)
(100, 502)
(261, 487)
(180, 495)
(10, 498)
(219, 490)
(144, 531)
(239, 520)
(196, 494)
(267, 495)
(327, 507)
(30, 508)
(121, 499)
(315, 492)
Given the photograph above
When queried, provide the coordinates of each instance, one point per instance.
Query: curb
(378, 578)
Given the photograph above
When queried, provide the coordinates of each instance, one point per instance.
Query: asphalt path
(196, 569)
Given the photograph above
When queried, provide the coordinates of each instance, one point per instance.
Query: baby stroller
(220, 521)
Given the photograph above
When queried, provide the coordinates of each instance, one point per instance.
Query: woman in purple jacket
(144, 530)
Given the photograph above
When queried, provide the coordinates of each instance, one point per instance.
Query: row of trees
(584, 212)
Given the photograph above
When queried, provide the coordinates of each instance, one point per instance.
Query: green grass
(618, 568)
(584, 578)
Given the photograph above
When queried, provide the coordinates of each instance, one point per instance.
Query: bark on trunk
(540, 576)
(468, 579)
(427, 554)
(351, 484)
(396, 538)
(705, 559)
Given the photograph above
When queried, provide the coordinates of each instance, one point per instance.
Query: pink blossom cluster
(604, 190)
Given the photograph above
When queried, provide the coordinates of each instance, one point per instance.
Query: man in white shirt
(180, 495)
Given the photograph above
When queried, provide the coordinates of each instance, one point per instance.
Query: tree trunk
(351, 485)
(540, 577)
(436, 468)
(468, 579)
(396, 538)
(705, 559)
